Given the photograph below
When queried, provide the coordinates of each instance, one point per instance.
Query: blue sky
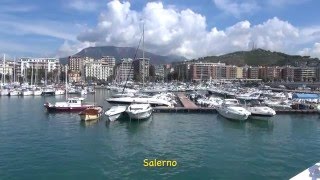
(189, 28)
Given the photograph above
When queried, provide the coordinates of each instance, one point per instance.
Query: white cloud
(45, 28)
(83, 5)
(238, 7)
(314, 51)
(68, 49)
(280, 3)
(170, 31)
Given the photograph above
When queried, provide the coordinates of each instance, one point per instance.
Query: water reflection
(262, 124)
(89, 123)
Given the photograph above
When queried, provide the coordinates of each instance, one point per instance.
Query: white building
(97, 69)
(6, 69)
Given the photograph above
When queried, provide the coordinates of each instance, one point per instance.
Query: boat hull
(260, 117)
(88, 117)
(233, 116)
(114, 117)
(140, 115)
(65, 109)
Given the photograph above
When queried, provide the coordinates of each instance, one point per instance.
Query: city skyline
(187, 28)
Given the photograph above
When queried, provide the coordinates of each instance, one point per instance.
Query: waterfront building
(231, 72)
(124, 70)
(253, 72)
(98, 69)
(141, 69)
(205, 71)
(6, 68)
(76, 63)
(304, 74)
(288, 73)
(74, 76)
(110, 61)
(239, 74)
(159, 72)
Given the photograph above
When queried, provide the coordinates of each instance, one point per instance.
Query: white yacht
(139, 111)
(37, 92)
(115, 112)
(231, 109)
(27, 92)
(59, 92)
(261, 112)
(318, 108)
(149, 100)
(4, 92)
(14, 92)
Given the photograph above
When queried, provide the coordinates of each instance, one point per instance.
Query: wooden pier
(186, 102)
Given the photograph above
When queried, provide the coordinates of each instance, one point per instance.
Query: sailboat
(144, 110)
(4, 92)
(75, 104)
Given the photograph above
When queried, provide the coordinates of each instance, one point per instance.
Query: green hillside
(260, 57)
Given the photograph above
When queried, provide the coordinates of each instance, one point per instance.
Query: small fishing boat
(91, 113)
(115, 112)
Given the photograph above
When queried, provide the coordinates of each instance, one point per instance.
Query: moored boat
(139, 111)
(71, 105)
(91, 113)
(261, 112)
(231, 109)
(115, 112)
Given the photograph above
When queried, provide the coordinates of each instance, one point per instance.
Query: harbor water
(38, 145)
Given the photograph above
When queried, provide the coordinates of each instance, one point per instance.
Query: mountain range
(123, 52)
(261, 57)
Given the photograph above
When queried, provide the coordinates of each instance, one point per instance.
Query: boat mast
(66, 81)
(14, 70)
(143, 61)
(3, 69)
(36, 75)
(31, 78)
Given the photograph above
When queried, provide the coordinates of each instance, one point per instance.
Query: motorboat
(318, 108)
(231, 109)
(261, 112)
(48, 91)
(59, 92)
(14, 93)
(4, 92)
(27, 92)
(139, 111)
(115, 112)
(75, 104)
(91, 113)
(37, 92)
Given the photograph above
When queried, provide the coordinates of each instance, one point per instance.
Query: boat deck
(186, 102)
(312, 172)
